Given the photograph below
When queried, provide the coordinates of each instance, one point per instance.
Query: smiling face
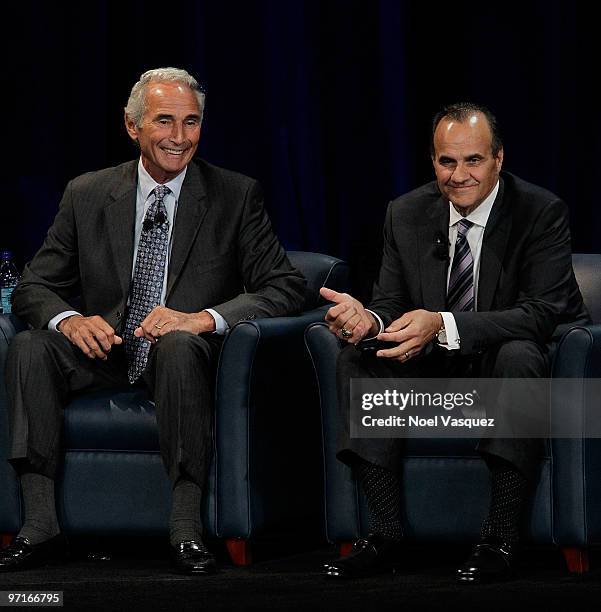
(466, 169)
(169, 132)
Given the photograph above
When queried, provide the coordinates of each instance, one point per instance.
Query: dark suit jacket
(224, 256)
(526, 282)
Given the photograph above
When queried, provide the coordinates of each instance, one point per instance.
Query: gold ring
(345, 332)
(158, 326)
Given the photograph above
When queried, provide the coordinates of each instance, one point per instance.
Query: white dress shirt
(475, 234)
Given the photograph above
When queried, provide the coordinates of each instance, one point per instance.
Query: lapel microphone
(441, 246)
(149, 223)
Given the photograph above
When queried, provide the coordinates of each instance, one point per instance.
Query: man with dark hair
(165, 253)
(476, 276)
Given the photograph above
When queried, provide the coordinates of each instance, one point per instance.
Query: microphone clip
(441, 246)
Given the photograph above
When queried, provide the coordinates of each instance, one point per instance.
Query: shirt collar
(478, 216)
(147, 184)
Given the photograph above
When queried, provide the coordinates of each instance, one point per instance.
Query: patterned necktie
(147, 283)
(460, 295)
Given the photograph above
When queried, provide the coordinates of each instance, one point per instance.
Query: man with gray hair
(164, 254)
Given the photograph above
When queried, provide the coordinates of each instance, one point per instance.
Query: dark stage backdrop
(327, 103)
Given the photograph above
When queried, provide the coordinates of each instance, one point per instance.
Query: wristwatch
(441, 336)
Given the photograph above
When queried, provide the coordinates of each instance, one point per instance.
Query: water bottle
(9, 277)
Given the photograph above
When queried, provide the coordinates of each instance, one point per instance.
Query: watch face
(442, 336)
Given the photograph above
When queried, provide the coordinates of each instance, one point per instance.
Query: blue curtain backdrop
(327, 103)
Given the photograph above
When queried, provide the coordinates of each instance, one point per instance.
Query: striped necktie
(460, 295)
(147, 282)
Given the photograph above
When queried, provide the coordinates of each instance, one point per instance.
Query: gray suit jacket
(224, 256)
(526, 284)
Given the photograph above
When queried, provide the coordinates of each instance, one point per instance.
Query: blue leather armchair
(266, 417)
(445, 483)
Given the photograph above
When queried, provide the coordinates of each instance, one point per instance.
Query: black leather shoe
(366, 557)
(192, 557)
(22, 554)
(491, 560)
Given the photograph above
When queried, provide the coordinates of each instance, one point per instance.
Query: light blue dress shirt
(144, 198)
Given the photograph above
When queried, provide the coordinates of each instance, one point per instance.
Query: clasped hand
(163, 320)
(95, 337)
(408, 335)
(411, 333)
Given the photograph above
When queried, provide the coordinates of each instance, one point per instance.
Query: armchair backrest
(320, 270)
(587, 268)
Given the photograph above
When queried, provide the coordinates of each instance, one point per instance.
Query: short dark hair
(461, 111)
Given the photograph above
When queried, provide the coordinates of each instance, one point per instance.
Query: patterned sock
(184, 522)
(41, 522)
(507, 493)
(382, 490)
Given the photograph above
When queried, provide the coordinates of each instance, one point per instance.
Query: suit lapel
(120, 221)
(433, 268)
(494, 245)
(191, 210)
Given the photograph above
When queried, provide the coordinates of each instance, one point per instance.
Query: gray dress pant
(44, 371)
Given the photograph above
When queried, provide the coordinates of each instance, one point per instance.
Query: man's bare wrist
(63, 322)
(207, 322)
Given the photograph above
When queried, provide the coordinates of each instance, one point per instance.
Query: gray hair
(136, 104)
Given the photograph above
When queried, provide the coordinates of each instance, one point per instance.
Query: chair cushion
(111, 420)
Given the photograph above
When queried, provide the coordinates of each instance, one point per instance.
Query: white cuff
(451, 330)
(379, 321)
(221, 325)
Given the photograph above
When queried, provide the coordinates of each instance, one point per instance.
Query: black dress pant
(513, 359)
(44, 371)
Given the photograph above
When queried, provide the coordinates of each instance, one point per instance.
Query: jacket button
(119, 315)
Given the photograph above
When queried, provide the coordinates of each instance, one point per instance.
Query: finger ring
(158, 326)
(346, 333)
(406, 355)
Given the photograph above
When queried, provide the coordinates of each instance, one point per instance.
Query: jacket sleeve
(52, 277)
(273, 287)
(390, 295)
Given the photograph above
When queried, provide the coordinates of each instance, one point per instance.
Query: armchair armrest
(342, 505)
(10, 325)
(266, 406)
(576, 461)
(240, 348)
(578, 354)
(577, 359)
(10, 507)
(282, 327)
